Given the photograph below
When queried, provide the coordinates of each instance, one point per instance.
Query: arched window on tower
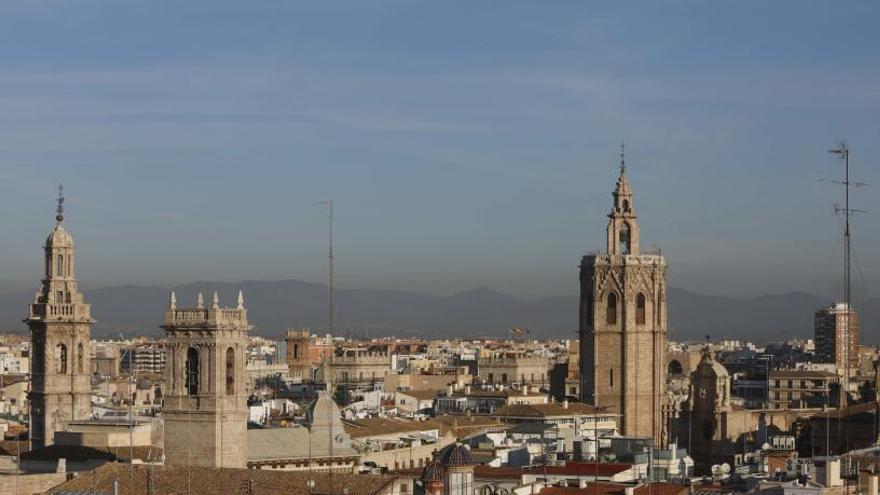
(80, 358)
(640, 309)
(192, 371)
(61, 358)
(59, 266)
(624, 238)
(230, 371)
(611, 309)
(626, 205)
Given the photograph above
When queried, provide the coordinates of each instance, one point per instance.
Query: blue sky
(464, 143)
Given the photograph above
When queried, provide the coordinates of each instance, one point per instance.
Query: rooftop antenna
(329, 204)
(842, 151)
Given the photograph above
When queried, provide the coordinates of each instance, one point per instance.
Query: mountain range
(274, 306)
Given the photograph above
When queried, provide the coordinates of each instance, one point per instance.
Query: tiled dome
(433, 471)
(456, 455)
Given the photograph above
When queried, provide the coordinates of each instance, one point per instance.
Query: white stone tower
(623, 323)
(205, 406)
(60, 324)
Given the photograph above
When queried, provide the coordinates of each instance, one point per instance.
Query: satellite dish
(716, 469)
(725, 468)
(766, 446)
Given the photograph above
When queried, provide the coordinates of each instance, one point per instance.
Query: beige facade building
(513, 369)
(354, 366)
(60, 323)
(623, 324)
(205, 406)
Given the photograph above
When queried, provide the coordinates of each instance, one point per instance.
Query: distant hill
(277, 305)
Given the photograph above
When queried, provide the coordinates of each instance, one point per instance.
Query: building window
(504, 378)
(491, 377)
(192, 371)
(61, 358)
(640, 309)
(59, 266)
(611, 309)
(230, 371)
(611, 378)
(79, 358)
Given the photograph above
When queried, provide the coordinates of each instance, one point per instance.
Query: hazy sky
(464, 143)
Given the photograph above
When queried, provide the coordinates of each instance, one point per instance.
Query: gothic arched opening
(80, 358)
(611, 309)
(61, 358)
(192, 371)
(624, 237)
(230, 371)
(675, 368)
(640, 309)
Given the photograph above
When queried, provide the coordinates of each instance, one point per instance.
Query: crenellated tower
(623, 323)
(205, 406)
(60, 324)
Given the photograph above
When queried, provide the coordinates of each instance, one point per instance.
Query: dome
(59, 237)
(456, 455)
(433, 471)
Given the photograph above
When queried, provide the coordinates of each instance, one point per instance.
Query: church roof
(433, 471)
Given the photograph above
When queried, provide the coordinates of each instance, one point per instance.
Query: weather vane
(60, 210)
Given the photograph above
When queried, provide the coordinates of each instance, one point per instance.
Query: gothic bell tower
(623, 323)
(205, 406)
(60, 324)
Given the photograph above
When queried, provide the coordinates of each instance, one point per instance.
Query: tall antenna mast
(842, 151)
(329, 204)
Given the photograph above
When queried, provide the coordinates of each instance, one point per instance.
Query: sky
(464, 144)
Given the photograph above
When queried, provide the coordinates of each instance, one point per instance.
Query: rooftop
(220, 481)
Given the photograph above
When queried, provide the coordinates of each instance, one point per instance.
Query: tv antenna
(329, 205)
(842, 151)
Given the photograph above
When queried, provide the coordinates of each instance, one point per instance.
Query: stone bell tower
(623, 323)
(60, 323)
(205, 406)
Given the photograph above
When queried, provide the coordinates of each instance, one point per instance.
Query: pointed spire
(59, 212)
(172, 301)
(215, 301)
(200, 301)
(240, 300)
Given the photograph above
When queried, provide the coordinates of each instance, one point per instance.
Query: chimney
(629, 490)
(525, 390)
(565, 403)
(450, 389)
(115, 487)
(467, 390)
(582, 483)
(62, 465)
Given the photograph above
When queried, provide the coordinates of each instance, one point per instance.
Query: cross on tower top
(622, 157)
(59, 212)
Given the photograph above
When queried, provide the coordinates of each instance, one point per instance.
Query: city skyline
(448, 150)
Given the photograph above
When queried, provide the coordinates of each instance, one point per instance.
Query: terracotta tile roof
(616, 489)
(384, 426)
(220, 481)
(463, 426)
(76, 453)
(581, 469)
(13, 447)
(553, 409)
(488, 472)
